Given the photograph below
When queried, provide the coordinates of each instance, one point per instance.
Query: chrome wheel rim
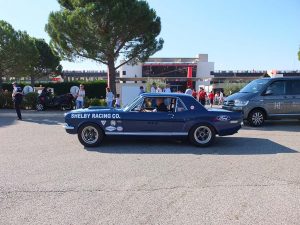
(257, 118)
(90, 135)
(203, 135)
(39, 107)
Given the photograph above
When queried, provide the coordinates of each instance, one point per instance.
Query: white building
(170, 69)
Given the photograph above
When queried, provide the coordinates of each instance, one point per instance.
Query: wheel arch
(258, 108)
(203, 123)
(83, 123)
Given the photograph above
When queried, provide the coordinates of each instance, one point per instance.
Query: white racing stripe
(148, 133)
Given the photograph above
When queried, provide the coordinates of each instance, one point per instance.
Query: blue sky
(236, 34)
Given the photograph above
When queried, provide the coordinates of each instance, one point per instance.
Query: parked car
(153, 114)
(267, 98)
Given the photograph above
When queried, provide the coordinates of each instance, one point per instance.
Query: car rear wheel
(66, 107)
(90, 135)
(202, 135)
(256, 118)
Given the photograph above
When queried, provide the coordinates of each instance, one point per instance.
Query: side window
(293, 87)
(156, 104)
(138, 106)
(180, 107)
(277, 88)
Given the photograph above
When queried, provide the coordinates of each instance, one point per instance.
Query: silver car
(267, 98)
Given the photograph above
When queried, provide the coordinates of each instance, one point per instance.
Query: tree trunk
(111, 77)
(32, 81)
(1, 82)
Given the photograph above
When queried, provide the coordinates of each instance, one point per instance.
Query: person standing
(142, 91)
(189, 91)
(202, 96)
(158, 89)
(167, 89)
(153, 88)
(117, 104)
(80, 97)
(221, 98)
(109, 97)
(17, 97)
(194, 94)
(211, 97)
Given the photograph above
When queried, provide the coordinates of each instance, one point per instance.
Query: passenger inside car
(158, 105)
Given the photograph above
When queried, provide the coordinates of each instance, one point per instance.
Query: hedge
(95, 89)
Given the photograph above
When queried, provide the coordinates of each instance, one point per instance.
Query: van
(267, 98)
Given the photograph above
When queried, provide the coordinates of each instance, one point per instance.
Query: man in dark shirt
(17, 97)
(160, 105)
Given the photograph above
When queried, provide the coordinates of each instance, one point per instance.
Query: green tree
(29, 55)
(9, 51)
(47, 61)
(299, 55)
(105, 31)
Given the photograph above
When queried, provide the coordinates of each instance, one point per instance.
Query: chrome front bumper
(67, 127)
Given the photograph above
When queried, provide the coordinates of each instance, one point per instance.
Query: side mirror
(137, 108)
(269, 92)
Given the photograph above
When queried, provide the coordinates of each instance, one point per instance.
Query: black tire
(66, 107)
(90, 135)
(256, 118)
(40, 107)
(202, 135)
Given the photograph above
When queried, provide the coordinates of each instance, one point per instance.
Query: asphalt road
(47, 177)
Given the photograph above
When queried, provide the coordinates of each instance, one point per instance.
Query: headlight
(240, 103)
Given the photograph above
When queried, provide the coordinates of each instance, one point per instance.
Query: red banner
(189, 75)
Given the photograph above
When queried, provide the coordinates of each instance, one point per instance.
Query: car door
(134, 120)
(275, 99)
(293, 95)
(171, 122)
(163, 122)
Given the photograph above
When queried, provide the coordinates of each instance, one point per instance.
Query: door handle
(171, 116)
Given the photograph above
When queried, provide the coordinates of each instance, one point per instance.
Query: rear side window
(293, 87)
(278, 88)
(180, 106)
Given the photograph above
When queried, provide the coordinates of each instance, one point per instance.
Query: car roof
(281, 78)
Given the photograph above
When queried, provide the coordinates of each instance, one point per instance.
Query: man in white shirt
(221, 98)
(80, 97)
(109, 97)
(189, 91)
(153, 88)
(167, 89)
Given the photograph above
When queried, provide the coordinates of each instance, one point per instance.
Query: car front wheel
(202, 135)
(256, 118)
(90, 135)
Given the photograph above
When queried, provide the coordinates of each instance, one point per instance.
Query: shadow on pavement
(277, 125)
(8, 121)
(4, 121)
(222, 146)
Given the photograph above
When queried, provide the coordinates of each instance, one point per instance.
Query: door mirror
(269, 92)
(137, 108)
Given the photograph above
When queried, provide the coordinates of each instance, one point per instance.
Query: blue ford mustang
(161, 114)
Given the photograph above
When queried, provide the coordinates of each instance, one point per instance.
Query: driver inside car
(160, 106)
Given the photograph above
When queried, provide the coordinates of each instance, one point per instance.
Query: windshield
(254, 86)
(127, 107)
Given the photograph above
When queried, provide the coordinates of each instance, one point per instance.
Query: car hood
(223, 112)
(241, 96)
